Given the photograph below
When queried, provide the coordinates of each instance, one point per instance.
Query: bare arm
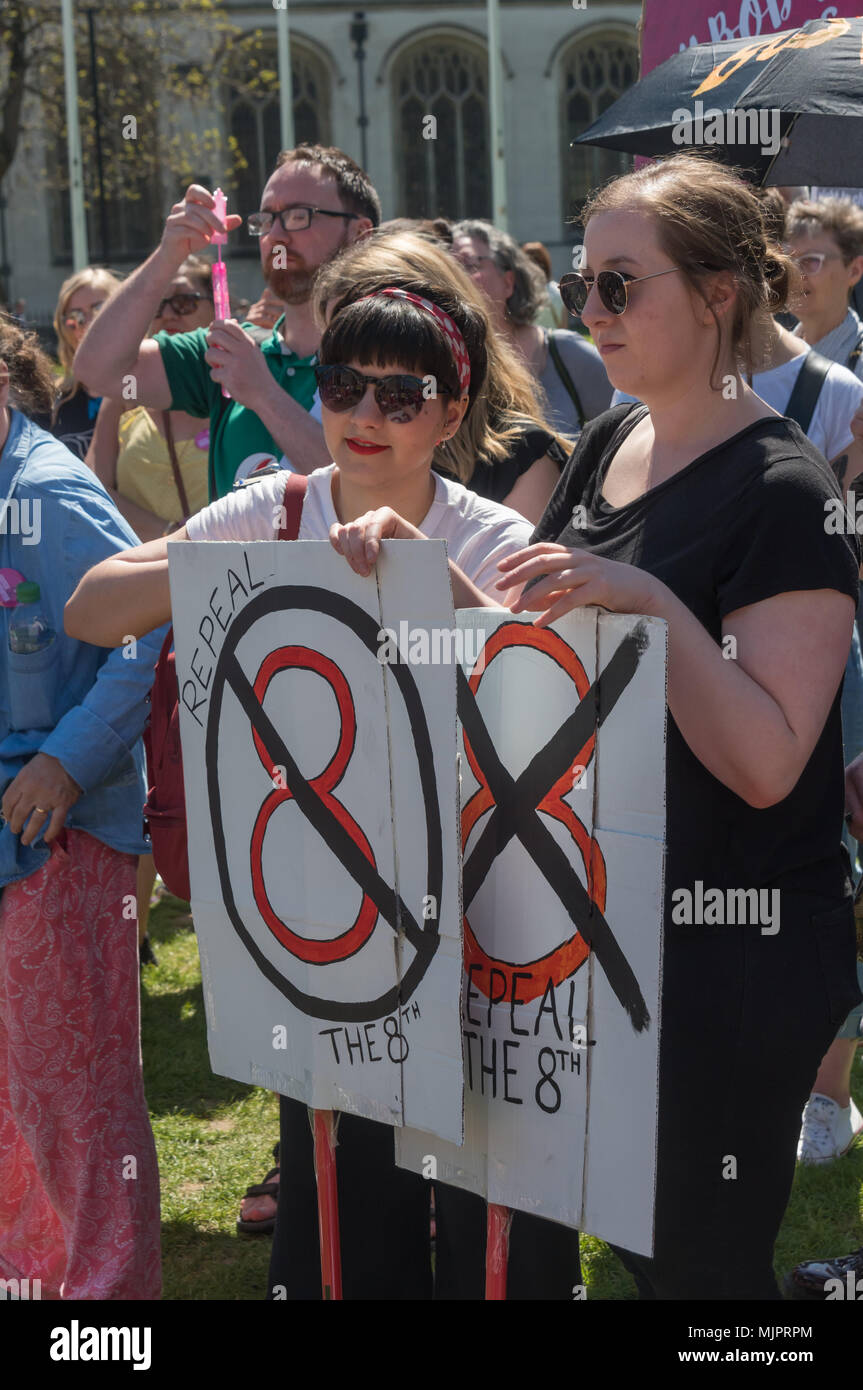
(126, 595)
(114, 346)
(102, 458)
(533, 489)
(105, 445)
(752, 720)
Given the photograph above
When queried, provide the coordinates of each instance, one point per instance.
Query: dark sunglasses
(342, 388)
(182, 304)
(612, 287)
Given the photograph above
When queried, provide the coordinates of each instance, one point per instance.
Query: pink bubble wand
(220, 270)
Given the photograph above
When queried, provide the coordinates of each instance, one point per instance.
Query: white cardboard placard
(563, 819)
(324, 857)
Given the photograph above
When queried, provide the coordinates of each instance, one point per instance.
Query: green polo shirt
(239, 443)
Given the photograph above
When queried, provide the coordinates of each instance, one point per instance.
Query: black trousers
(384, 1226)
(746, 1021)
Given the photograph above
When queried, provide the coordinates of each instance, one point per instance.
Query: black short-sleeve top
(497, 481)
(741, 523)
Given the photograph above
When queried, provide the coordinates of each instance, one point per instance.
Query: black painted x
(515, 813)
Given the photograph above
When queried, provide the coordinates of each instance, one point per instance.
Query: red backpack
(165, 807)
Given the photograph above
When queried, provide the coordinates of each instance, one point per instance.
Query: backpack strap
(295, 494)
(807, 388)
(185, 511)
(565, 378)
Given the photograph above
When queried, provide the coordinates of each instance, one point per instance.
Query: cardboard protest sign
(321, 800)
(563, 823)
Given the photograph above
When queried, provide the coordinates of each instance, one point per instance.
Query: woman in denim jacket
(79, 1188)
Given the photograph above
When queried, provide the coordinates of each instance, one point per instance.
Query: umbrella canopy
(788, 108)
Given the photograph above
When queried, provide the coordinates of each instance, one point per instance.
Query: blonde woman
(154, 462)
(73, 417)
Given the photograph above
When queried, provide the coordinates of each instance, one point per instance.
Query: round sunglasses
(342, 388)
(612, 287)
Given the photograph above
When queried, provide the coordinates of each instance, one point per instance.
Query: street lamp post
(97, 117)
(286, 81)
(76, 170)
(359, 34)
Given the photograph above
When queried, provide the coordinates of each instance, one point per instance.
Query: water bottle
(29, 631)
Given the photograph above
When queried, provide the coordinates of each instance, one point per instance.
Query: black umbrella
(784, 108)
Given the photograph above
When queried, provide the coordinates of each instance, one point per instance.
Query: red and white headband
(450, 328)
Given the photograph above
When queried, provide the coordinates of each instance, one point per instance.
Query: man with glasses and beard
(316, 201)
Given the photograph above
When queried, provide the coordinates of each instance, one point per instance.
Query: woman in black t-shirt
(706, 508)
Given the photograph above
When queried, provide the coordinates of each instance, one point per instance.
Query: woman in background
(79, 1182)
(154, 462)
(72, 417)
(568, 369)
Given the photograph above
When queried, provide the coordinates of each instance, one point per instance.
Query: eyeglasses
(342, 388)
(182, 304)
(295, 218)
(810, 262)
(76, 318)
(612, 287)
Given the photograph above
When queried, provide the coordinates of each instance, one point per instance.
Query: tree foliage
(161, 62)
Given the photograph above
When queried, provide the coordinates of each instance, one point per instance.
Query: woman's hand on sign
(191, 223)
(360, 541)
(568, 579)
(39, 796)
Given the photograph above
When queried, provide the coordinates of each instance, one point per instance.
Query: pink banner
(670, 25)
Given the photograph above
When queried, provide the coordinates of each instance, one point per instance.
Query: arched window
(595, 71)
(443, 166)
(252, 76)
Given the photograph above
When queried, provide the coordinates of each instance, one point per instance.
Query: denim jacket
(84, 705)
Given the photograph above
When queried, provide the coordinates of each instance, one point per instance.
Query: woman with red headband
(376, 356)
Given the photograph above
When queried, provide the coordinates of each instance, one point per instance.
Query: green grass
(215, 1137)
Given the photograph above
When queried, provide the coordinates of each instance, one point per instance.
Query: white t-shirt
(840, 397)
(477, 532)
(838, 401)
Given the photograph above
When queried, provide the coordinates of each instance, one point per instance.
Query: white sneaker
(828, 1131)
